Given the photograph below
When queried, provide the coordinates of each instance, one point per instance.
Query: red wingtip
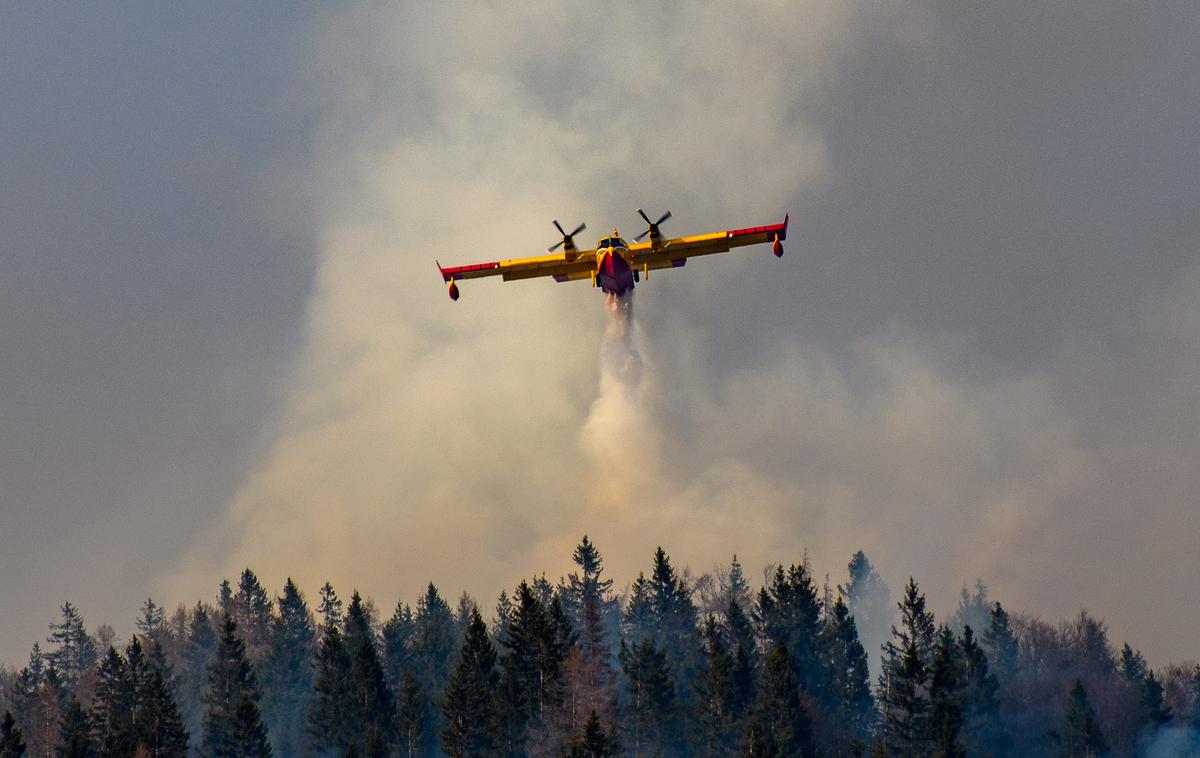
(785, 224)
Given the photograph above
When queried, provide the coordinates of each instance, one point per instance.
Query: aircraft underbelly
(614, 274)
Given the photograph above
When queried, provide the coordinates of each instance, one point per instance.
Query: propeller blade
(642, 213)
(554, 247)
(651, 226)
(639, 237)
(565, 236)
(665, 216)
(578, 229)
(559, 228)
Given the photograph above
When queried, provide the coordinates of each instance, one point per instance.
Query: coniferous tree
(411, 709)
(434, 644)
(157, 725)
(531, 677)
(651, 713)
(329, 721)
(74, 738)
(252, 612)
(11, 744)
(193, 680)
(470, 706)
(945, 699)
(593, 612)
(288, 673)
(789, 614)
(371, 708)
(638, 621)
(152, 622)
(1082, 737)
(870, 602)
(779, 725)
(973, 610)
(848, 696)
(982, 731)
(1132, 665)
(232, 722)
(74, 652)
(718, 705)
(113, 706)
(397, 643)
(904, 680)
(676, 623)
(330, 607)
(1155, 713)
(594, 742)
(1000, 644)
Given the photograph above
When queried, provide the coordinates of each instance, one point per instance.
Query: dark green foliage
(1132, 665)
(594, 742)
(904, 681)
(11, 744)
(252, 608)
(848, 694)
(232, 722)
(329, 726)
(113, 707)
(719, 707)
(193, 680)
(669, 618)
(288, 673)
(74, 652)
(152, 624)
(981, 726)
(74, 740)
(1082, 737)
(330, 608)
(1000, 644)
(594, 614)
(1155, 712)
(789, 614)
(411, 709)
(397, 639)
(157, 727)
(779, 725)
(650, 713)
(945, 699)
(470, 705)
(531, 679)
(434, 643)
(372, 707)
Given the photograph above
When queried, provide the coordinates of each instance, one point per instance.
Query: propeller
(566, 238)
(652, 228)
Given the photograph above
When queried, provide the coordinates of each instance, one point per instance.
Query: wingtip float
(613, 265)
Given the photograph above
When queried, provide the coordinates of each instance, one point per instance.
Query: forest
(676, 664)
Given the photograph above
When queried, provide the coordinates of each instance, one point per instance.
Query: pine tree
(651, 713)
(734, 587)
(152, 623)
(74, 740)
(593, 612)
(904, 681)
(470, 707)
(330, 607)
(677, 625)
(779, 724)
(288, 673)
(11, 744)
(232, 722)
(74, 651)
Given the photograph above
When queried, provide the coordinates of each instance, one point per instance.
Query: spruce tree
(593, 612)
(1000, 644)
(329, 720)
(650, 713)
(779, 725)
(372, 706)
(434, 643)
(594, 742)
(288, 672)
(870, 602)
(470, 706)
(1155, 712)
(848, 696)
(74, 652)
(252, 612)
(1082, 737)
(232, 722)
(74, 740)
(113, 707)
(397, 640)
(789, 614)
(945, 699)
(193, 680)
(982, 730)
(411, 709)
(330, 607)
(1132, 665)
(11, 744)
(158, 727)
(718, 705)
(904, 680)
(677, 625)
(531, 678)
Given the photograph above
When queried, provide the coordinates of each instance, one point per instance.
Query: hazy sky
(225, 343)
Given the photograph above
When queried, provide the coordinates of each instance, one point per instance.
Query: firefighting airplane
(613, 265)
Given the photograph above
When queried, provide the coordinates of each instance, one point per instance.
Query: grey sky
(225, 346)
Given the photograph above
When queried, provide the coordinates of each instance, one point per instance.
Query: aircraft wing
(559, 265)
(673, 253)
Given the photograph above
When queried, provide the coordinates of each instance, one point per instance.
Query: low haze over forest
(678, 664)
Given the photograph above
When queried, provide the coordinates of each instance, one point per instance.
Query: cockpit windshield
(611, 242)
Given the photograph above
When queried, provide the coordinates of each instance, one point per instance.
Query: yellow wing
(673, 253)
(579, 265)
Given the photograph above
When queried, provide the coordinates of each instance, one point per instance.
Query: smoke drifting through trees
(572, 668)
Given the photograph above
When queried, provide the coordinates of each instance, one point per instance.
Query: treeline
(675, 666)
